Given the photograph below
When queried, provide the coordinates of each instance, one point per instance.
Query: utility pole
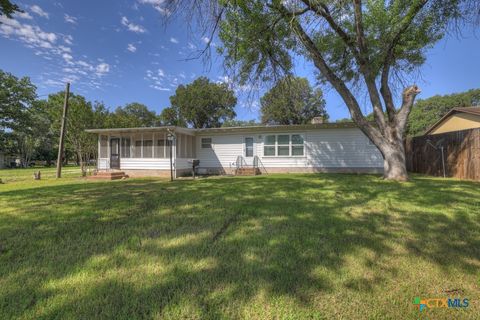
(62, 131)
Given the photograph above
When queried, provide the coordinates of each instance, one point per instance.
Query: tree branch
(387, 93)
(323, 11)
(408, 98)
(336, 82)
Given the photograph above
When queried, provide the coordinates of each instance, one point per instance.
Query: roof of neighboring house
(261, 128)
(469, 110)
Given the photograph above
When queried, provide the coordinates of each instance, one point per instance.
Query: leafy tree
(16, 96)
(204, 104)
(426, 112)
(82, 115)
(343, 120)
(133, 115)
(292, 101)
(240, 123)
(8, 8)
(352, 44)
(170, 117)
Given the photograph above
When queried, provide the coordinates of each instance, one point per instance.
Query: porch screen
(147, 145)
(125, 148)
(103, 147)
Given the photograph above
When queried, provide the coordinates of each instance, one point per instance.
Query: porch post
(108, 152)
(141, 146)
(99, 149)
(153, 145)
(132, 155)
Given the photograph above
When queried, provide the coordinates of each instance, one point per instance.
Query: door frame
(111, 152)
(245, 147)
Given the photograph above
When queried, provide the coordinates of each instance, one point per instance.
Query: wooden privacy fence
(461, 154)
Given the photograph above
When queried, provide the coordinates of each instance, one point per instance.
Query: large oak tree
(354, 45)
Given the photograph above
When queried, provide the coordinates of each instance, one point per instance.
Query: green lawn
(279, 246)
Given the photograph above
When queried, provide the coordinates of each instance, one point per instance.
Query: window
(284, 145)
(269, 146)
(297, 145)
(206, 143)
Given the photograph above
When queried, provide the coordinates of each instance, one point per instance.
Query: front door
(248, 150)
(115, 153)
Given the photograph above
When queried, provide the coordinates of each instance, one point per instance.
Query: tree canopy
(203, 104)
(428, 111)
(355, 46)
(133, 115)
(292, 101)
(8, 8)
(16, 97)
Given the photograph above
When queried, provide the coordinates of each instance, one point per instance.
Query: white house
(327, 147)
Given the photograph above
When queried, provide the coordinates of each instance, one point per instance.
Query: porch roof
(260, 128)
(143, 129)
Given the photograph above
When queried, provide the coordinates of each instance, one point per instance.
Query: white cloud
(205, 40)
(39, 11)
(102, 69)
(70, 19)
(32, 36)
(68, 39)
(191, 46)
(173, 40)
(131, 48)
(23, 15)
(158, 5)
(161, 73)
(67, 57)
(160, 88)
(132, 27)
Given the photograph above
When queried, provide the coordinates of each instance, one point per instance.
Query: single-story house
(321, 147)
(457, 119)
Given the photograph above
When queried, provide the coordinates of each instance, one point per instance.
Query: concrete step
(108, 175)
(247, 171)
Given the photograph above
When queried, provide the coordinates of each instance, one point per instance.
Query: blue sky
(121, 51)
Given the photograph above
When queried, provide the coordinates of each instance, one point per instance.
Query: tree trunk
(394, 161)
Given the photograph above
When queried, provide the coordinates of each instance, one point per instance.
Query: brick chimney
(317, 120)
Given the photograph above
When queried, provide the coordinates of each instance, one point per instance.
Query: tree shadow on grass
(142, 248)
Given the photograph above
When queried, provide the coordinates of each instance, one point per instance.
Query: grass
(278, 246)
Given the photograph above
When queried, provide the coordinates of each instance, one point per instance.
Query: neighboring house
(457, 119)
(328, 147)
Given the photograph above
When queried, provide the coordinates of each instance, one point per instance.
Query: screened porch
(143, 150)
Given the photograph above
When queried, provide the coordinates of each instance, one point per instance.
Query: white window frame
(290, 145)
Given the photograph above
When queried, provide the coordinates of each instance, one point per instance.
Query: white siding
(103, 163)
(324, 148)
(224, 152)
(182, 163)
(341, 148)
(145, 163)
